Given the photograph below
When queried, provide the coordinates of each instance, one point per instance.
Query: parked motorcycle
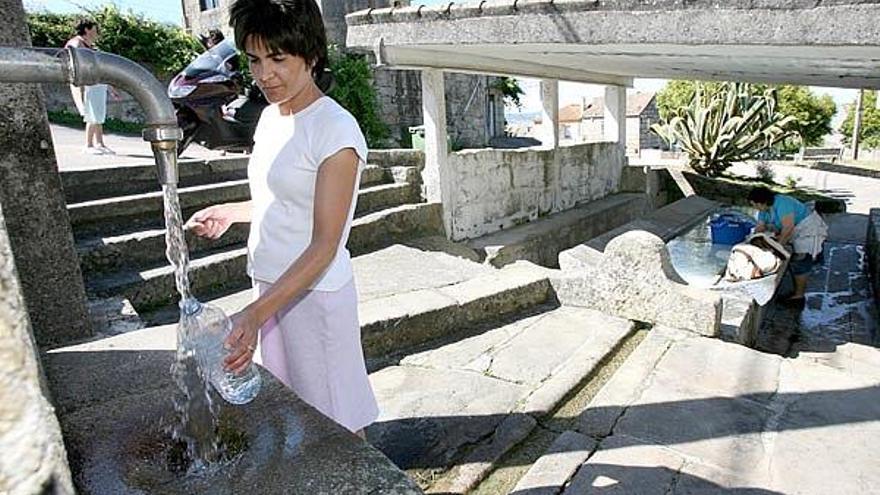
(213, 106)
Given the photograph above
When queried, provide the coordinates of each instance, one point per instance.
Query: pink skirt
(313, 345)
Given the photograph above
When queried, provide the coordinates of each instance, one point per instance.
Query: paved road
(860, 193)
(130, 150)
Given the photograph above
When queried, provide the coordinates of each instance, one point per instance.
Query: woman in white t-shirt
(303, 173)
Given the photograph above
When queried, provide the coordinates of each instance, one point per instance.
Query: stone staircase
(473, 365)
(465, 359)
(121, 238)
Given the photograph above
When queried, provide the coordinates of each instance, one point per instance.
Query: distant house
(571, 123)
(641, 113)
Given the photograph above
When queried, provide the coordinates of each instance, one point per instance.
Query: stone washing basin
(114, 407)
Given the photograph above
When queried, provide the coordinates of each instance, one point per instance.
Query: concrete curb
(551, 471)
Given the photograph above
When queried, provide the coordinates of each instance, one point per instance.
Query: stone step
(108, 182)
(140, 211)
(376, 198)
(155, 287)
(397, 312)
(128, 213)
(146, 249)
(88, 185)
(461, 405)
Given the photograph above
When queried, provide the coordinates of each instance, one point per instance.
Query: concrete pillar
(549, 132)
(32, 456)
(614, 125)
(434, 175)
(33, 203)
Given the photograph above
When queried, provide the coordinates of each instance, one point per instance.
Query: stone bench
(540, 241)
(820, 154)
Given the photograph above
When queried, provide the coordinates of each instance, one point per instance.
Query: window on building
(209, 4)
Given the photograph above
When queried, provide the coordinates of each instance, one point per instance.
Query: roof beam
(403, 57)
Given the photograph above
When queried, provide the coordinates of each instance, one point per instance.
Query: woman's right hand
(213, 221)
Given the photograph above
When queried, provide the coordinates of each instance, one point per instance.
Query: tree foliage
(164, 48)
(510, 89)
(355, 92)
(718, 128)
(869, 135)
(813, 113)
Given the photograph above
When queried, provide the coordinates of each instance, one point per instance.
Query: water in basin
(699, 262)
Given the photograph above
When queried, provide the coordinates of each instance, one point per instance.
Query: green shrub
(164, 48)
(355, 92)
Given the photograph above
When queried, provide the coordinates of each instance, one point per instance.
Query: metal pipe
(83, 67)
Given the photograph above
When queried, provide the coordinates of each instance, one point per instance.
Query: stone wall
(199, 22)
(467, 106)
(32, 456)
(495, 189)
(874, 251)
(649, 116)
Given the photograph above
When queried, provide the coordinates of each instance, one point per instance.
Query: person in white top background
(91, 101)
(303, 173)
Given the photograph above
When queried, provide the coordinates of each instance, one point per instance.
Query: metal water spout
(82, 67)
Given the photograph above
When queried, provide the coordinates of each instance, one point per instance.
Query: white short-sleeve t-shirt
(288, 150)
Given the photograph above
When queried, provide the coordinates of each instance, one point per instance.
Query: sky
(171, 11)
(574, 92)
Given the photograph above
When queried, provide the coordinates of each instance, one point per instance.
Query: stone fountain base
(114, 407)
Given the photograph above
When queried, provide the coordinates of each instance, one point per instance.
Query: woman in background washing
(795, 223)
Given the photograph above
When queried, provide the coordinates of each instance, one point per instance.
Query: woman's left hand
(242, 342)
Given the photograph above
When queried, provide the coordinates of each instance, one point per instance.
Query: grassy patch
(69, 119)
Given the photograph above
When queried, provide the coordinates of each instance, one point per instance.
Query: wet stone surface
(839, 307)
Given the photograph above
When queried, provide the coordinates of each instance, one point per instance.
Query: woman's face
(91, 34)
(760, 206)
(281, 76)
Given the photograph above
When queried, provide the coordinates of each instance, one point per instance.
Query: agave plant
(731, 125)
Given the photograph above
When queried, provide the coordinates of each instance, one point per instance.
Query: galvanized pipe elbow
(83, 67)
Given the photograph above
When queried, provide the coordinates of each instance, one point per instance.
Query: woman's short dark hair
(288, 26)
(762, 196)
(84, 24)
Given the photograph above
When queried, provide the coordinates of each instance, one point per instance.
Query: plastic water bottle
(208, 326)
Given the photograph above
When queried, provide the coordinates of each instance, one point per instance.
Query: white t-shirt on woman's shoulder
(288, 151)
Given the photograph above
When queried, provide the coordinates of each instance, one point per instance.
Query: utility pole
(857, 125)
